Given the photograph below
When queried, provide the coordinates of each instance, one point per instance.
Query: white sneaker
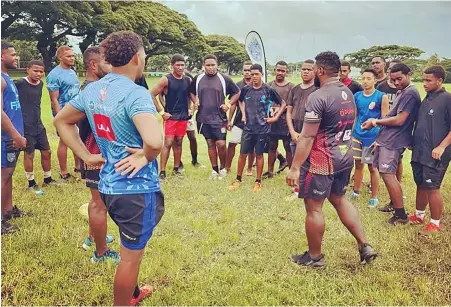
(222, 173)
(213, 175)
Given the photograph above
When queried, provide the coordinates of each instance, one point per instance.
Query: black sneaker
(162, 176)
(67, 177)
(15, 213)
(282, 167)
(76, 170)
(197, 164)
(267, 175)
(177, 173)
(52, 182)
(398, 220)
(7, 228)
(387, 208)
(306, 260)
(367, 254)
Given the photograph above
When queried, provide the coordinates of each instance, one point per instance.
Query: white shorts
(236, 134)
(191, 126)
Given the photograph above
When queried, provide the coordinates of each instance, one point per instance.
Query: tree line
(37, 28)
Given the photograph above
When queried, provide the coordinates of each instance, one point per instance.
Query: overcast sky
(294, 31)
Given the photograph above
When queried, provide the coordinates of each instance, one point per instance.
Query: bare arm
(54, 95)
(158, 90)
(290, 125)
(384, 106)
(7, 125)
(304, 144)
(152, 142)
(243, 110)
(440, 149)
(397, 120)
(65, 122)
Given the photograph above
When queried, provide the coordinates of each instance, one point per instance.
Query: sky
(297, 30)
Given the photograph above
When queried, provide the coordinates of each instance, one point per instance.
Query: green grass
(214, 247)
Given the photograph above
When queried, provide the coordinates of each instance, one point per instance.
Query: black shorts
(251, 143)
(321, 186)
(90, 174)
(37, 142)
(387, 160)
(426, 177)
(10, 154)
(136, 215)
(215, 132)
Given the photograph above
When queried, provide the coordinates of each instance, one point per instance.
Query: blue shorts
(9, 154)
(136, 215)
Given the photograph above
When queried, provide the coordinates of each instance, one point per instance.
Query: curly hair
(330, 61)
(120, 47)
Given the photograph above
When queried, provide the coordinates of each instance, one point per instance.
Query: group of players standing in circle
(328, 123)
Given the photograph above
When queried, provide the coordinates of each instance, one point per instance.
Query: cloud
(295, 31)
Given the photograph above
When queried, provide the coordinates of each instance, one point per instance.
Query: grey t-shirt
(212, 91)
(280, 127)
(298, 99)
(393, 137)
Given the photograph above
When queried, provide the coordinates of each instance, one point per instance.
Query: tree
(159, 63)
(229, 51)
(363, 57)
(47, 22)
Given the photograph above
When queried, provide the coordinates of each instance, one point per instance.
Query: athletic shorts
(427, 177)
(254, 142)
(191, 126)
(136, 215)
(91, 174)
(215, 132)
(10, 154)
(363, 154)
(175, 127)
(321, 186)
(37, 142)
(387, 160)
(236, 135)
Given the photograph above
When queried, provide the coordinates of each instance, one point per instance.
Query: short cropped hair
(330, 61)
(345, 63)
(177, 58)
(61, 49)
(403, 68)
(35, 62)
(257, 67)
(6, 45)
(120, 47)
(210, 56)
(436, 70)
(309, 61)
(282, 63)
(89, 54)
(370, 70)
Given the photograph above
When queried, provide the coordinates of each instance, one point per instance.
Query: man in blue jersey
(63, 86)
(122, 118)
(370, 103)
(12, 136)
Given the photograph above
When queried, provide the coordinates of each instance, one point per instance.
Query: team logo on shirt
(91, 104)
(311, 115)
(431, 112)
(344, 95)
(372, 105)
(103, 127)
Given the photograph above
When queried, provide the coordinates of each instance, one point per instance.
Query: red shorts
(175, 127)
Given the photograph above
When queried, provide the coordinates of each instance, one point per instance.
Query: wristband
(374, 122)
(161, 112)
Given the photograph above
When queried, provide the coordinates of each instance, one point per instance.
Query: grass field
(215, 247)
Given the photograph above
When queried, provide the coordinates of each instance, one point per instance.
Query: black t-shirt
(432, 126)
(257, 105)
(238, 121)
(177, 97)
(212, 92)
(384, 87)
(397, 137)
(332, 107)
(378, 82)
(142, 81)
(355, 87)
(298, 99)
(30, 103)
(280, 127)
